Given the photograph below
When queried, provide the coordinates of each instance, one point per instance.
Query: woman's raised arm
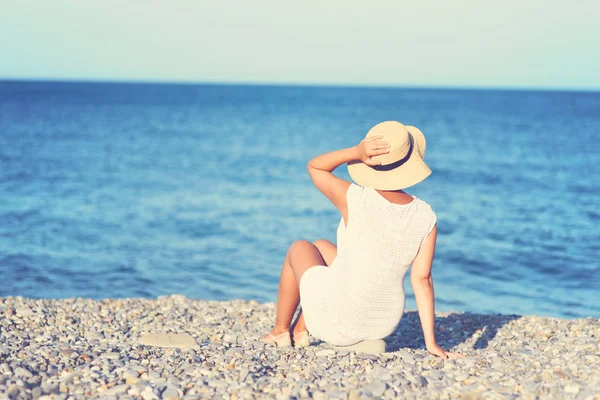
(321, 167)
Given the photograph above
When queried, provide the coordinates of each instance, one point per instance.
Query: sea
(111, 190)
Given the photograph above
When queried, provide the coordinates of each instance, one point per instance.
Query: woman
(354, 293)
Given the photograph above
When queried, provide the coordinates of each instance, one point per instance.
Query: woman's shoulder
(355, 190)
(423, 203)
(424, 206)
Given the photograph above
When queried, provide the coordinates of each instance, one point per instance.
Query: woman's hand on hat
(371, 147)
(438, 351)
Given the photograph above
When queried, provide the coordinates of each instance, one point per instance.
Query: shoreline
(82, 348)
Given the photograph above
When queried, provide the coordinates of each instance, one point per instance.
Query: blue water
(122, 190)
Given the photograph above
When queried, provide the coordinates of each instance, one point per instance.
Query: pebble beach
(174, 347)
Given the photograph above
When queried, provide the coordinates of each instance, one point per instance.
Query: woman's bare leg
(301, 256)
(328, 252)
(288, 297)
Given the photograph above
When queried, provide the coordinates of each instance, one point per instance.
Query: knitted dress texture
(361, 295)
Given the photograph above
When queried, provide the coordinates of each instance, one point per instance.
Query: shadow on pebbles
(174, 347)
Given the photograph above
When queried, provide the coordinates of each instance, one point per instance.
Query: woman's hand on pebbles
(371, 147)
(438, 351)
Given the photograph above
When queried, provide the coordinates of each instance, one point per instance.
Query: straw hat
(402, 167)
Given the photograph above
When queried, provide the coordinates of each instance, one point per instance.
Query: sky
(546, 44)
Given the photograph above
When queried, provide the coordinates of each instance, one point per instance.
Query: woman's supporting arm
(422, 284)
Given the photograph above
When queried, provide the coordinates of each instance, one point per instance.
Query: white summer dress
(361, 295)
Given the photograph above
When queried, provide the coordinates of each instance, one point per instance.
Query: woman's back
(382, 234)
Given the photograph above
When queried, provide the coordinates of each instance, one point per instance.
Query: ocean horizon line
(325, 85)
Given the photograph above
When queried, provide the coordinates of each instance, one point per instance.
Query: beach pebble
(24, 311)
(572, 388)
(148, 394)
(179, 341)
(376, 388)
(117, 390)
(131, 376)
(170, 393)
(111, 355)
(229, 338)
(6, 369)
(419, 381)
(23, 373)
(325, 353)
(244, 372)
